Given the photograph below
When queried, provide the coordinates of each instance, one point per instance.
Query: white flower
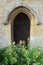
(34, 63)
(14, 42)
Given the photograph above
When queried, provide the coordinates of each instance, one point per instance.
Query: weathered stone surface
(36, 7)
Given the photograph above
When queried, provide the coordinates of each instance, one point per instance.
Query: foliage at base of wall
(20, 55)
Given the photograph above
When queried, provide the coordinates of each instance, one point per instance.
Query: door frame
(15, 12)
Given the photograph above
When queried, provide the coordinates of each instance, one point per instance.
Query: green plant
(19, 55)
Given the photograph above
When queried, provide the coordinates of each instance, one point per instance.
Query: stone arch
(15, 12)
(24, 9)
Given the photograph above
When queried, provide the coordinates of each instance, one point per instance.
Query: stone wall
(36, 7)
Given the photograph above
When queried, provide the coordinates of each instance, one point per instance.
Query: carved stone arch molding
(15, 12)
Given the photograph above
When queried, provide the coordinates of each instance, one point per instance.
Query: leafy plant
(20, 55)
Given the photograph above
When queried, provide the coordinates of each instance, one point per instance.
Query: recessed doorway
(21, 28)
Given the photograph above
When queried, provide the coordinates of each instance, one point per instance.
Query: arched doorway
(21, 28)
(27, 14)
